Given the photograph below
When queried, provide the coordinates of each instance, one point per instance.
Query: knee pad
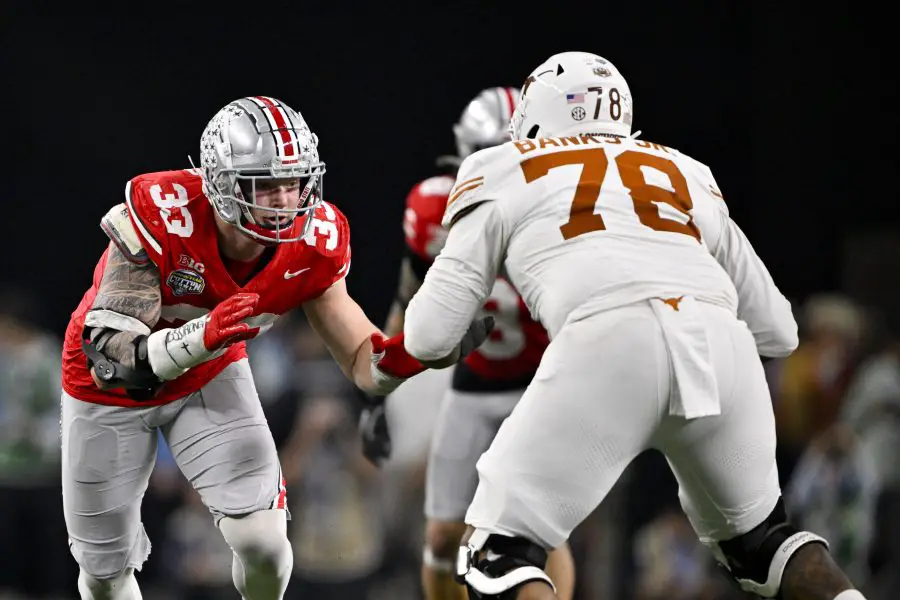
(257, 537)
(493, 567)
(262, 553)
(121, 587)
(756, 559)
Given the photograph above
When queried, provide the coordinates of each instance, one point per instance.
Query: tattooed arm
(127, 307)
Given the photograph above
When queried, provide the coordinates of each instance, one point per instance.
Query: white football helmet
(484, 122)
(259, 138)
(572, 93)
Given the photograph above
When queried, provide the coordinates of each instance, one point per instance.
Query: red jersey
(515, 346)
(176, 226)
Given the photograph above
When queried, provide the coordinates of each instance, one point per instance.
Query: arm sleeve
(456, 285)
(761, 305)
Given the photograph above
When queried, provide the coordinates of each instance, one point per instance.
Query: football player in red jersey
(486, 385)
(201, 260)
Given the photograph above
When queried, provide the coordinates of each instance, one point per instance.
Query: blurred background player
(486, 386)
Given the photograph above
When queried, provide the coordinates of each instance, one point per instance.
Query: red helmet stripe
(510, 100)
(285, 130)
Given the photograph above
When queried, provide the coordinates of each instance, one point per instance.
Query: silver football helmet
(485, 120)
(254, 139)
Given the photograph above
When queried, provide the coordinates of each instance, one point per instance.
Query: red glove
(171, 352)
(391, 358)
(391, 364)
(224, 326)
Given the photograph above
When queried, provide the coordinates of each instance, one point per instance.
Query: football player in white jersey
(658, 310)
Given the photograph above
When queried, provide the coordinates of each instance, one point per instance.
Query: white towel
(694, 393)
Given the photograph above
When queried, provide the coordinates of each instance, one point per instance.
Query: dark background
(794, 112)
(793, 109)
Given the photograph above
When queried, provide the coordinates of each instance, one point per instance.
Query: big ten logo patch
(186, 261)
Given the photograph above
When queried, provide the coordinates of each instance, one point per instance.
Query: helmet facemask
(518, 119)
(239, 190)
(253, 148)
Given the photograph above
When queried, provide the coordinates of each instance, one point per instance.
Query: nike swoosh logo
(288, 274)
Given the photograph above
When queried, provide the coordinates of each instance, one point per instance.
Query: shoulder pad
(330, 235)
(160, 205)
(704, 175)
(120, 230)
(478, 180)
(713, 187)
(330, 231)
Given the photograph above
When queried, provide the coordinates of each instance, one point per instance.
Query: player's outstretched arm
(761, 304)
(346, 330)
(375, 363)
(439, 321)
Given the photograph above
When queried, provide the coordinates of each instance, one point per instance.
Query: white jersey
(584, 224)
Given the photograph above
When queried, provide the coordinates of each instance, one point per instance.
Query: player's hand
(391, 364)
(374, 433)
(475, 335)
(224, 325)
(171, 352)
(390, 357)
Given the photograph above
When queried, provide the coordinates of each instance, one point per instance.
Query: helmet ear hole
(532, 133)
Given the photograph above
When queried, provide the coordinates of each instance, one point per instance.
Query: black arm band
(140, 383)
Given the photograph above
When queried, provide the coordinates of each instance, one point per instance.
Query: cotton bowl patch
(186, 281)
